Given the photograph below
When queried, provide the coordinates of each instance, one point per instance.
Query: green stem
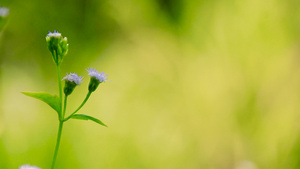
(61, 123)
(84, 101)
(65, 107)
(60, 89)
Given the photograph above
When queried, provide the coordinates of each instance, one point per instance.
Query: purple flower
(54, 34)
(99, 76)
(73, 77)
(96, 79)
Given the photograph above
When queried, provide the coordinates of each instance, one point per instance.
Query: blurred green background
(208, 84)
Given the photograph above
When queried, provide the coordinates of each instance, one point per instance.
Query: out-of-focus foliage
(195, 84)
(4, 12)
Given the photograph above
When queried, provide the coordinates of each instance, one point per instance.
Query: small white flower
(73, 77)
(54, 34)
(99, 76)
(27, 166)
(4, 11)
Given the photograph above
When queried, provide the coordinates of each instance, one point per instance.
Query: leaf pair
(54, 102)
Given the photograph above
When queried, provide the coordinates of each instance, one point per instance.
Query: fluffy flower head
(55, 34)
(99, 76)
(73, 77)
(27, 166)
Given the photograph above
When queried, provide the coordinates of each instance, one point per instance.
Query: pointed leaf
(52, 100)
(86, 117)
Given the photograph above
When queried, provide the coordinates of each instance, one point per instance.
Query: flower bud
(64, 46)
(96, 79)
(57, 45)
(71, 81)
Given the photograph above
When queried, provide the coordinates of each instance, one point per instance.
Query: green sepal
(86, 117)
(94, 83)
(69, 87)
(52, 100)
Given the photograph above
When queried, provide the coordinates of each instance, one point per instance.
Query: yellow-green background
(196, 84)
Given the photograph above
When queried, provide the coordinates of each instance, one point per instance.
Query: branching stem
(84, 101)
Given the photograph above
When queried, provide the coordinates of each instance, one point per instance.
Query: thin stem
(84, 101)
(61, 123)
(65, 107)
(60, 89)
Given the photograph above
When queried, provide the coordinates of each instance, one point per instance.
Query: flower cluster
(57, 45)
(72, 80)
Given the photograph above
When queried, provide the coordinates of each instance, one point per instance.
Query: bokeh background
(196, 84)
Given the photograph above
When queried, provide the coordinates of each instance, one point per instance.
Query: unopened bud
(57, 45)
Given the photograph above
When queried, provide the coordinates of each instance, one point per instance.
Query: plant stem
(84, 101)
(65, 107)
(61, 123)
(60, 90)
(62, 111)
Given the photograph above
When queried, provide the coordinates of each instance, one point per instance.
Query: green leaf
(86, 117)
(52, 100)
